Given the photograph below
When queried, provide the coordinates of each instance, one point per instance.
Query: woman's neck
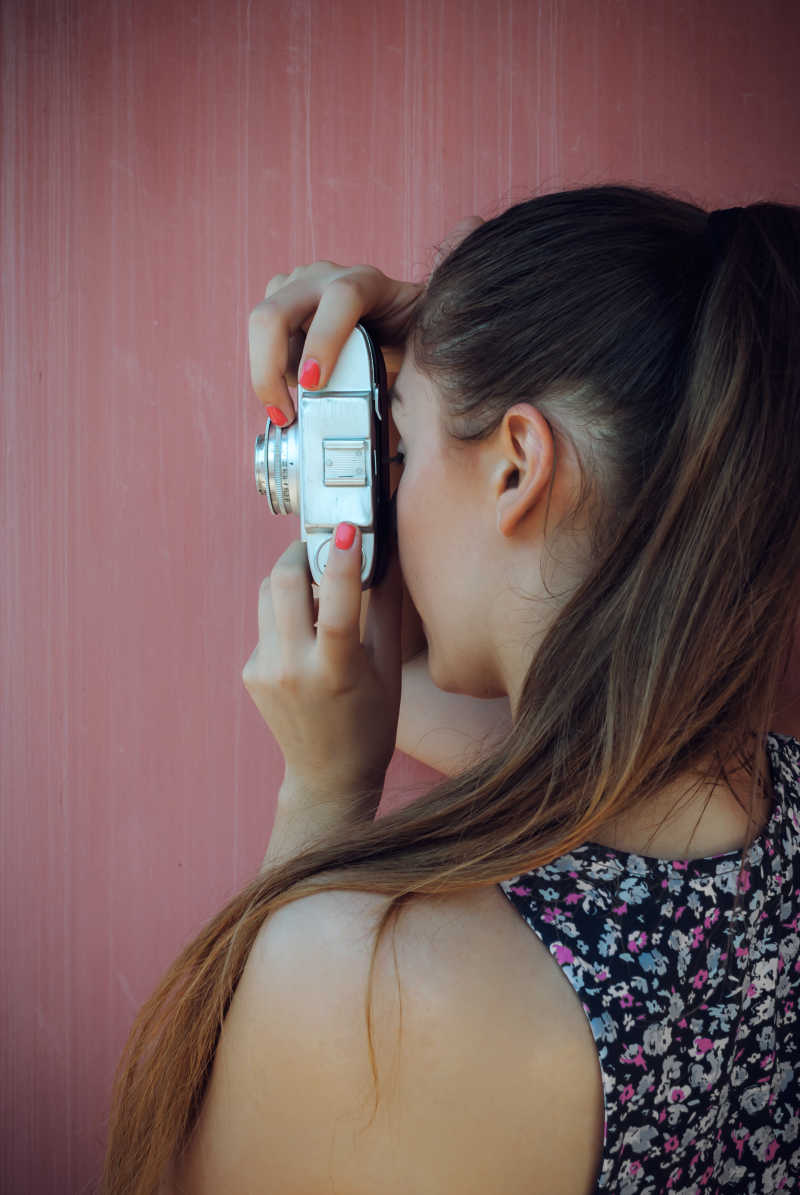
(691, 820)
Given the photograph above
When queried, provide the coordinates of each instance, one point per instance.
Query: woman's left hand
(331, 701)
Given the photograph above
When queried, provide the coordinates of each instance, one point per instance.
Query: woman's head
(481, 557)
(611, 403)
(588, 399)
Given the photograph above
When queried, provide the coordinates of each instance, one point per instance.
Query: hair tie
(720, 227)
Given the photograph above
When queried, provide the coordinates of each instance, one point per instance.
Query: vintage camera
(332, 464)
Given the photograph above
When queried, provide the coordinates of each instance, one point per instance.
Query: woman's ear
(527, 452)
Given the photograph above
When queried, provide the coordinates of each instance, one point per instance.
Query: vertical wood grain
(160, 162)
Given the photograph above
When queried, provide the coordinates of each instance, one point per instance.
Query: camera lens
(276, 468)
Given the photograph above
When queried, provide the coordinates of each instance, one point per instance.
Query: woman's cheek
(407, 535)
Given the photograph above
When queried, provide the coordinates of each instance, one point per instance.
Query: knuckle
(265, 314)
(275, 282)
(330, 685)
(334, 680)
(335, 631)
(287, 678)
(267, 676)
(251, 671)
(288, 578)
(365, 268)
(348, 285)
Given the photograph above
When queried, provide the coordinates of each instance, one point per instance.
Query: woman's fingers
(275, 283)
(274, 330)
(344, 615)
(296, 338)
(286, 606)
(342, 304)
(326, 301)
(338, 644)
(269, 335)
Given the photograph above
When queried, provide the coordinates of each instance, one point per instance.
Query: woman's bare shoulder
(486, 1067)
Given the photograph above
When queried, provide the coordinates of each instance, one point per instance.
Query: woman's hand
(331, 697)
(311, 312)
(326, 301)
(331, 701)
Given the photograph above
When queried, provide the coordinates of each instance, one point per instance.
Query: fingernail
(277, 416)
(345, 534)
(310, 374)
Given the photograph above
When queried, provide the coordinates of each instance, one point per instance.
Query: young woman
(591, 981)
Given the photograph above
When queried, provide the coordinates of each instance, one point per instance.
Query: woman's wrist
(303, 817)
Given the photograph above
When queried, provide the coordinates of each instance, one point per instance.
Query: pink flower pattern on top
(693, 1006)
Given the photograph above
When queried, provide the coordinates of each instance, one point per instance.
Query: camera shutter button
(324, 549)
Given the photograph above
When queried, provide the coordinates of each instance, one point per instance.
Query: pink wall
(160, 162)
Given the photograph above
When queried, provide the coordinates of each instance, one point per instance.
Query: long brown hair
(675, 372)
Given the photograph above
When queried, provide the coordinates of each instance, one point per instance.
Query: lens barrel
(276, 468)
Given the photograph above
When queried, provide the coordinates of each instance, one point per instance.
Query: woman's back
(701, 1069)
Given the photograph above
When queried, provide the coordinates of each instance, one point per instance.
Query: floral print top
(700, 1069)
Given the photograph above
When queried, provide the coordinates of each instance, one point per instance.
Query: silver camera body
(332, 464)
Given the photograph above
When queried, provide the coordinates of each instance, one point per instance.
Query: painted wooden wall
(161, 160)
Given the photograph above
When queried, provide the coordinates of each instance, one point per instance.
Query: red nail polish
(277, 416)
(310, 374)
(345, 534)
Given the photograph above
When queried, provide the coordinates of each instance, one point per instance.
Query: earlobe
(526, 442)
